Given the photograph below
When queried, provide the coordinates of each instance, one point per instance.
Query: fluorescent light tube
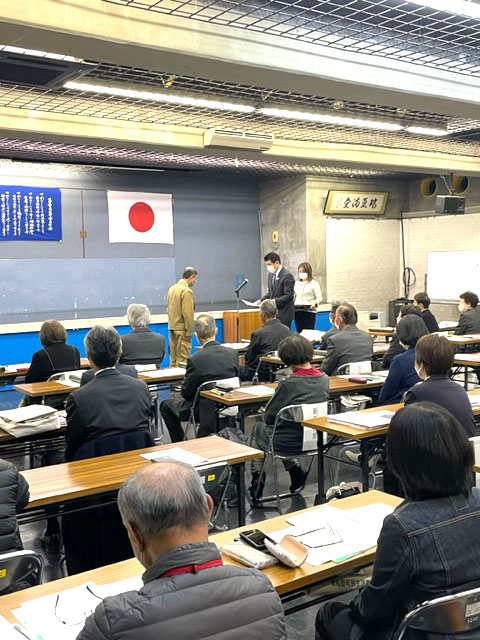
(168, 98)
(328, 119)
(426, 131)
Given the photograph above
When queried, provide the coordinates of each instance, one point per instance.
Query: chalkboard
(450, 273)
(77, 287)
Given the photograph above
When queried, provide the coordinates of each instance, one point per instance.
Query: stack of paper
(313, 335)
(238, 346)
(367, 420)
(145, 367)
(175, 453)
(164, 373)
(24, 421)
(257, 390)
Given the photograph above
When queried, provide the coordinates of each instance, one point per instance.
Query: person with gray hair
(141, 345)
(212, 362)
(263, 341)
(111, 403)
(188, 593)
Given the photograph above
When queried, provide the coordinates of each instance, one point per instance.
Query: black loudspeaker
(450, 204)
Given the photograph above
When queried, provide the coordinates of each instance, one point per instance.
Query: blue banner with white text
(30, 213)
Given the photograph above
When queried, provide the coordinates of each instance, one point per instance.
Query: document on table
(69, 383)
(250, 304)
(469, 357)
(238, 346)
(164, 373)
(7, 631)
(257, 390)
(474, 399)
(25, 414)
(175, 453)
(313, 335)
(370, 420)
(333, 534)
(13, 368)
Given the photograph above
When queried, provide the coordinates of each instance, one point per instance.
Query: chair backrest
(20, 569)
(265, 367)
(298, 413)
(354, 368)
(116, 443)
(452, 614)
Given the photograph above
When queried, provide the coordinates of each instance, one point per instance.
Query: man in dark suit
(141, 345)
(212, 362)
(262, 341)
(126, 369)
(112, 403)
(333, 329)
(350, 344)
(469, 321)
(281, 284)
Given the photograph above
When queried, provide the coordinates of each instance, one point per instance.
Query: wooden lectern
(249, 322)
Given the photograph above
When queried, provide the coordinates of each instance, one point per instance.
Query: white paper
(30, 412)
(469, 357)
(164, 373)
(313, 335)
(238, 346)
(69, 383)
(145, 367)
(114, 588)
(175, 453)
(447, 323)
(13, 368)
(474, 399)
(7, 632)
(257, 390)
(250, 304)
(368, 420)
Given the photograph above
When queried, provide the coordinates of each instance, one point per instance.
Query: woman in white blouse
(307, 296)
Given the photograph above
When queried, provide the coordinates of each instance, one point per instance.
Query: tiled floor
(300, 624)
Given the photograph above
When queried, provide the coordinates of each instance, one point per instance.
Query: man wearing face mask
(281, 285)
(469, 321)
(187, 591)
(180, 309)
(350, 344)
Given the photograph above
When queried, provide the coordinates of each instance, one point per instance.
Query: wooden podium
(249, 322)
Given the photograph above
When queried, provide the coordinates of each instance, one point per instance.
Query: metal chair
(216, 476)
(292, 413)
(447, 615)
(193, 423)
(17, 567)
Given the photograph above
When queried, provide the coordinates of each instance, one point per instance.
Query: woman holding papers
(306, 385)
(428, 546)
(402, 374)
(307, 296)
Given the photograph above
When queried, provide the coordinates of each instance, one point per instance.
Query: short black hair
(410, 309)
(273, 257)
(189, 272)
(410, 329)
(429, 452)
(295, 350)
(103, 346)
(436, 354)
(348, 313)
(470, 298)
(422, 298)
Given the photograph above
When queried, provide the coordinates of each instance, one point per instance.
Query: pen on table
(25, 634)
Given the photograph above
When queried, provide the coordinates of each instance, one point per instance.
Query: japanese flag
(140, 217)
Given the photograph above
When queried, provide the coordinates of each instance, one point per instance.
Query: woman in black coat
(56, 355)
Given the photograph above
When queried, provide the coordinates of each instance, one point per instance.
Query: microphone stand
(237, 293)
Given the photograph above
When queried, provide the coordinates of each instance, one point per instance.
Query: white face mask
(302, 275)
(337, 326)
(417, 371)
(270, 268)
(461, 307)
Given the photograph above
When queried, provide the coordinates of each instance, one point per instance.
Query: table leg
(320, 497)
(241, 494)
(364, 451)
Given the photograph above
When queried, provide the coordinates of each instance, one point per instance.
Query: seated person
(428, 546)
(306, 385)
(469, 321)
(188, 593)
(262, 341)
(333, 329)
(422, 301)
(402, 374)
(141, 345)
(126, 369)
(15, 496)
(212, 362)
(394, 347)
(55, 357)
(434, 358)
(350, 344)
(112, 403)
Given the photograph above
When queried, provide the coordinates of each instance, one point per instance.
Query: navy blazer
(281, 290)
(401, 376)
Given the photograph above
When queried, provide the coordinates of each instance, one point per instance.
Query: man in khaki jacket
(181, 307)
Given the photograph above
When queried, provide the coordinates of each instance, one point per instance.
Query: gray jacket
(349, 345)
(143, 346)
(219, 603)
(15, 496)
(469, 322)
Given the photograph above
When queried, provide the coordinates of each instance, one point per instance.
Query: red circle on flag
(141, 216)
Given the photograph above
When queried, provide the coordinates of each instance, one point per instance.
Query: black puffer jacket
(14, 496)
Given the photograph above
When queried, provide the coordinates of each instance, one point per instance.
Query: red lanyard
(193, 568)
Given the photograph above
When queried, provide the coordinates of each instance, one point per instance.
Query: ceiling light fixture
(459, 7)
(426, 131)
(329, 119)
(38, 54)
(160, 97)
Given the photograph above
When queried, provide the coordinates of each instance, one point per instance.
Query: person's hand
(258, 302)
(313, 306)
(188, 338)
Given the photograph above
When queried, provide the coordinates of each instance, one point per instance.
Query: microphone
(241, 285)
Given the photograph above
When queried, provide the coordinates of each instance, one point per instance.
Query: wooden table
(284, 579)
(22, 370)
(466, 361)
(466, 339)
(54, 387)
(65, 483)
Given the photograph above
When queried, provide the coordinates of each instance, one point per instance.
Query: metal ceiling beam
(56, 127)
(132, 37)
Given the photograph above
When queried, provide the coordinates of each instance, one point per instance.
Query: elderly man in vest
(188, 592)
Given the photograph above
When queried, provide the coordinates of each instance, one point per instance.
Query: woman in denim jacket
(428, 546)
